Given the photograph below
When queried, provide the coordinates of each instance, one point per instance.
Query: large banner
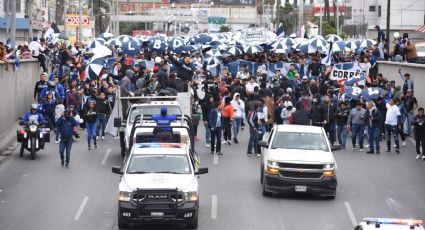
(345, 71)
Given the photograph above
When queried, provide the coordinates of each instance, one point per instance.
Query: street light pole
(388, 22)
(13, 24)
(80, 23)
(336, 12)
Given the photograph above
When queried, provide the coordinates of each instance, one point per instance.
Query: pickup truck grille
(157, 197)
(301, 166)
(301, 175)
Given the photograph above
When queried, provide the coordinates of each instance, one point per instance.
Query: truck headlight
(329, 170)
(124, 196)
(329, 166)
(191, 196)
(272, 168)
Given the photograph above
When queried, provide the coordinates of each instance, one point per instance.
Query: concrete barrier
(417, 73)
(17, 89)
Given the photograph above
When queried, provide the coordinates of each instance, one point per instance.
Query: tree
(224, 28)
(327, 13)
(287, 17)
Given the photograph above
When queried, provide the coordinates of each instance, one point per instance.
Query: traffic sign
(74, 20)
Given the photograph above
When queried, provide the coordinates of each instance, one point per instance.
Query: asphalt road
(40, 195)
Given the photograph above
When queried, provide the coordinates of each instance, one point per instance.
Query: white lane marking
(106, 157)
(350, 213)
(81, 208)
(214, 207)
(215, 159)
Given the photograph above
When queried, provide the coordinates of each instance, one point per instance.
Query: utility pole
(7, 12)
(336, 12)
(13, 24)
(30, 14)
(321, 20)
(388, 22)
(80, 23)
(64, 17)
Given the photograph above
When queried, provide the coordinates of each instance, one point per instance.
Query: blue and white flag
(353, 92)
(355, 79)
(328, 59)
(372, 93)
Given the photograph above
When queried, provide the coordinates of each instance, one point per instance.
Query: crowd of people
(304, 95)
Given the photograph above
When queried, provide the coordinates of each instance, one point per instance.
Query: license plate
(157, 214)
(300, 188)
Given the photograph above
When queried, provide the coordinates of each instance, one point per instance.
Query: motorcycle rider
(33, 113)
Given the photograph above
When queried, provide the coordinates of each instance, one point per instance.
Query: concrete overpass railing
(417, 73)
(17, 89)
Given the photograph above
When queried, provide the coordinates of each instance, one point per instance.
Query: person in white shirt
(392, 120)
(250, 86)
(239, 113)
(35, 47)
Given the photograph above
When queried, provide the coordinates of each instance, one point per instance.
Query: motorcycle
(32, 137)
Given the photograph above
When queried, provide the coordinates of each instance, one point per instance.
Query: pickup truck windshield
(151, 110)
(159, 163)
(293, 140)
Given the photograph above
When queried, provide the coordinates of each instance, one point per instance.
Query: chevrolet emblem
(301, 170)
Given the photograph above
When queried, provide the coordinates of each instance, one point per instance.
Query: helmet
(34, 106)
(163, 110)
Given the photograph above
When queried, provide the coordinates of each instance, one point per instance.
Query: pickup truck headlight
(272, 168)
(124, 196)
(329, 170)
(329, 166)
(191, 196)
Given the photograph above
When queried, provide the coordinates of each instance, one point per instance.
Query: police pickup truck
(159, 184)
(389, 224)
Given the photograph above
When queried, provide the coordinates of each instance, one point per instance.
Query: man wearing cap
(163, 75)
(65, 125)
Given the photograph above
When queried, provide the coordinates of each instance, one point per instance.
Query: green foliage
(328, 28)
(287, 17)
(224, 28)
(128, 27)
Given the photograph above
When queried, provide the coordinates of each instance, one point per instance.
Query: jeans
(253, 140)
(374, 138)
(227, 129)
(357, 130)
(420, 142)
(388, 130)
(236, 126)
(101, 122)
(91, 132)
(408, 123)
(341, 132)
(207, 134)
(381, 50)
(65, 144)
(330, 129)
(216, 140)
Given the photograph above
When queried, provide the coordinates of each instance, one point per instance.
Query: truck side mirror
(117, 170)
(263, 144)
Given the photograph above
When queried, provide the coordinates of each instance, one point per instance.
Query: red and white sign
(74, 20)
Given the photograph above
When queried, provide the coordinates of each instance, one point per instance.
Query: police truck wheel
(194, 223)
(123, 224)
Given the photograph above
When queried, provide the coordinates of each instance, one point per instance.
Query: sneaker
(229, 142)
(395, 146)
(117, 137)
(397, 151)
(404, 143)
(370, 152)
(62, 163)
(223, 142)
(57, 142)
(219, 153)
(212, 152)
(361, 150)
(103, 138)
(258, 154)
(423, 158)
(377, 152)
(388, 150)
(89, 147)
(366, 146)
(95, 146)
(67, 165)
(249, 154)
(207, 145)
(354, 148)
(235, 140)
(418, 156)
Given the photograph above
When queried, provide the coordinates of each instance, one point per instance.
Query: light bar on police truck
(160, 145)
(392, 221)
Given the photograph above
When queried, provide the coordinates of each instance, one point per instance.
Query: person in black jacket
(206, 108)
(40, 85)
(328, 110)
(419, 129)
(300, 116)
(374, 120)
(185, 68)
(103, 109)
(90, 117)
(341, 119)
(163, 75)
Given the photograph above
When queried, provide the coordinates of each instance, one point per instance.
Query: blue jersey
(37, 116)
(163, 120)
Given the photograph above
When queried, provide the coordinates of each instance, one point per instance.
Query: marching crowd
(227, 103)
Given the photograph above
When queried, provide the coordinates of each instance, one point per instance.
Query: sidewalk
(8, 142)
